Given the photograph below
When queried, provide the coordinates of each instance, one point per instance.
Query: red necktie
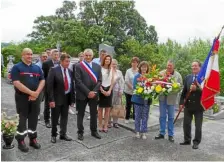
(65, 81)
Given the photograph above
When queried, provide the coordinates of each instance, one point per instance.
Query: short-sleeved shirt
(97, 61)
(129, 77)
(29, 75)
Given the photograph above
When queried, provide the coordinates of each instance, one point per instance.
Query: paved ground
(118, 144)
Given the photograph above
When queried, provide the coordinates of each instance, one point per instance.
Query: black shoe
(48, 124)
(96, 135)
(65, 137)
(195, 146)
(80, 137)
(35, 144)
(22, 146)
(159, 136)
(53, 139)
(185, 143)
(171, 139)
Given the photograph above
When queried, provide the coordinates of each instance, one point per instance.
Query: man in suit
(46, 67)
(88, 79)
(192, 106)
(167, 104)
(60, 89)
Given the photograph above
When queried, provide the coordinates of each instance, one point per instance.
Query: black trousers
(81, 107)
(62, 111)
(128, 106)
(27, 110)
(46, 107)
(198, 116)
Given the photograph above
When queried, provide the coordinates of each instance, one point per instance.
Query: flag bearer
(193, 106)
(28, 81)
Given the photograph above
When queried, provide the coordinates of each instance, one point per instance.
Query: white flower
(168, 86)
(149, 91)
(152, 88)
(145, 91)
(178, 84)
(170, 90)
(164, 89)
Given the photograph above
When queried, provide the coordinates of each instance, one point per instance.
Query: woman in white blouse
(117, 90)
(105, 96)
(128, 88)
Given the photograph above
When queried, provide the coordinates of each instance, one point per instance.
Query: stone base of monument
(153, 121)
(209, 114)
(8, 154)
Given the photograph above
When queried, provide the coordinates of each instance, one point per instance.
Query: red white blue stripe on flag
(209, 77)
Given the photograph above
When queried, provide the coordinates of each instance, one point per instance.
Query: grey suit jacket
(171, 98)
(84, 83)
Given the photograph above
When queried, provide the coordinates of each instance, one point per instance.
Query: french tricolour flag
(209, 77)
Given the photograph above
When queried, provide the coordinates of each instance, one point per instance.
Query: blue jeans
(164, 109)
(141, 118)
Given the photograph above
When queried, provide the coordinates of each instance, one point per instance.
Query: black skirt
(105, 101)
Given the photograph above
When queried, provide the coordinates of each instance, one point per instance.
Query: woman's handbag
(118, 110)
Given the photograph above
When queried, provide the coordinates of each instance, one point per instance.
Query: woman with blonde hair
(117, 90)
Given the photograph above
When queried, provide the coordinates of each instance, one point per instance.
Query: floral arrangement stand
(217, 111)
(8, 129)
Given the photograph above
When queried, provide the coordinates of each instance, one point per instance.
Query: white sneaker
(126, 121)
(144, 136)
(137, 135)
(70, 111)
(38, 117)
(88, 118)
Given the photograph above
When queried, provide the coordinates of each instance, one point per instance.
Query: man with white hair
(28, 80)
(167, 104)
(88, 79)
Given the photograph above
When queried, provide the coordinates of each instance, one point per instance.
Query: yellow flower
(140, 90)
(158, 88)
(150, 79)
(153, 67)
(164, 89)
(175, 85)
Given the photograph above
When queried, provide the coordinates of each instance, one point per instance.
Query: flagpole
(220, 33)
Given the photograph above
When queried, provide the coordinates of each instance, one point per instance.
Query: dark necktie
(195, 78)
(65, 80)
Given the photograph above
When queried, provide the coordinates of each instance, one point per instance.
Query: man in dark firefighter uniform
(28, 81)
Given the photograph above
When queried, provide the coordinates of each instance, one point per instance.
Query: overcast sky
(179, 20)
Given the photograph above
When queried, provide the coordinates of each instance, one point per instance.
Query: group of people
(99, 83)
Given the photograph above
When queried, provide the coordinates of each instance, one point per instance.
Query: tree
(67, 10)
(119, 20)
(113, 22)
